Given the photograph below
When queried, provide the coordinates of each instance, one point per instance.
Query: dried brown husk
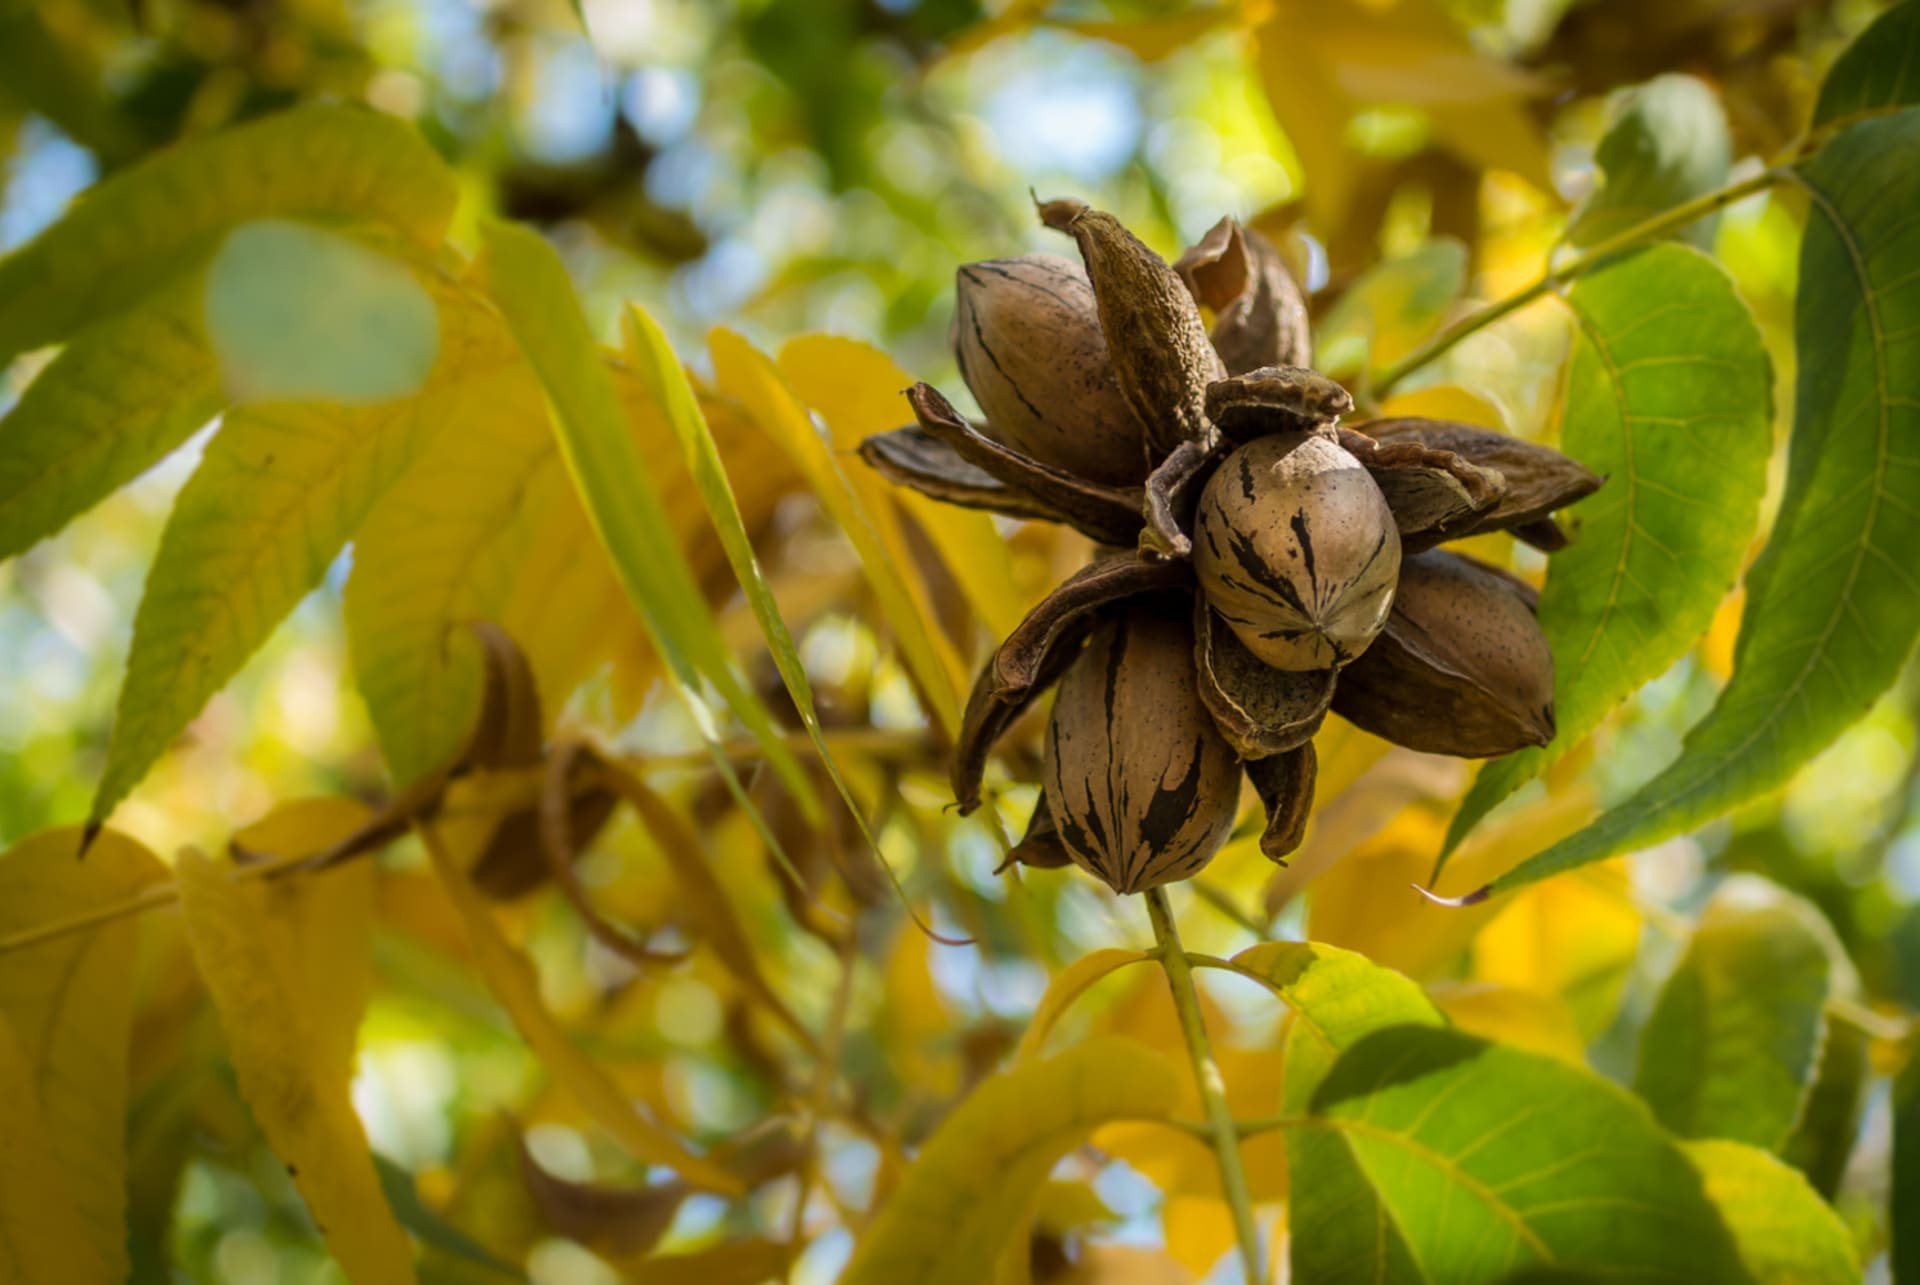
(1284, 783)
(1041, 847)
(1172, 493)
(1108, 514)
(1039, 650)
(1275, 399)
(1259, 314)
(1139, 782)
(1435, 494)
(1295, 547)
(1026, 333)
(1161, 354)
(916, 458)
(1262, 711)
(1462, 667)
(1539, 480)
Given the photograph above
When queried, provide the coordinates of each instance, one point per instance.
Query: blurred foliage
(547, 1103)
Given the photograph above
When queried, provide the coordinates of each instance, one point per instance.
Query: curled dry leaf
(1172, 492)
(1284, 783)
(916, 458)
(1161, 354)
(1297, 550)
(1108, 514)
(1275, 399)
(1262, 711)
(1041, 847)
(1259, 314)
(1026, 333)
(1539, 480)
(1038, 651)
(1462, 667)
(1140, 783)
(1435, 494)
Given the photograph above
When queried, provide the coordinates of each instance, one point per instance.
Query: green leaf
(115, 401)
(420, 1218)
(1668, 143)
(1733, 1046)
(148, 223)
(1785, 1233)
(1903, 1200)
(974, 1182)
(1833, 606)
(1392, 308)
(280, 491)
(1822, 1141)
(298, 313)
(1881, 68)
(1671, 404)
(1487, 1160)
(530, 283)
(1337, 997)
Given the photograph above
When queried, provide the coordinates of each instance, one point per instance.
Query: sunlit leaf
(67, 1009)
(1733, 1046)
(1068, 985)
(1834, 603)
(1879, 69)
(1392, 308)
(1785, 1233)
(298, 313)
(1523, 1019)
(1671, 404)
(269, 954)
(147, 224)
(513, 983)
(1574, 938)
(279, 492)
(118, 398)
(1488, 1160)
(855, 388)
(744, 373)
(1668, 143)
(976, 1179)
(527, 278)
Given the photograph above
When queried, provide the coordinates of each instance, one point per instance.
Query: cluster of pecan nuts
(1261, 564)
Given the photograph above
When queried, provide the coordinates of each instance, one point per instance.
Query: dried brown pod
(1039, 650)
(1040, 847)
(1259, 314)
(1462, 667)
(916, 458)
(1108, 514)
(1162, 356)
(1435, 495)
(1539, 480)
(1275, 399)
(1284, 783)
(1026, 333)
(1295, 547)
(1262, 711)
(1141, 785)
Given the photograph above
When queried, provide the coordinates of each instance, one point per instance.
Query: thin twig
(1213, 1088)
(1660, 224)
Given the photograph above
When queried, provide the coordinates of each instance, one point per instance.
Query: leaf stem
(1213, 1088)
(1660, 224)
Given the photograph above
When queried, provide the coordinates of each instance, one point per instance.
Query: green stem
(1659, 225)
(1213, 1088)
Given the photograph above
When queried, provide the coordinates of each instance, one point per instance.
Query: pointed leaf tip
(1473, 898)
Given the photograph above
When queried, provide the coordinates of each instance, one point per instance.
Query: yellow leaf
(1151, 39)
(1444, 401)
(856, 389)
(1524, 1019)
(742, 372)
(268, 954)
(1067, 986)
(513, 983)
(44, 1240)
(1574, 938)
(65, 1012)
(975, 1181)
(1367, 902)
